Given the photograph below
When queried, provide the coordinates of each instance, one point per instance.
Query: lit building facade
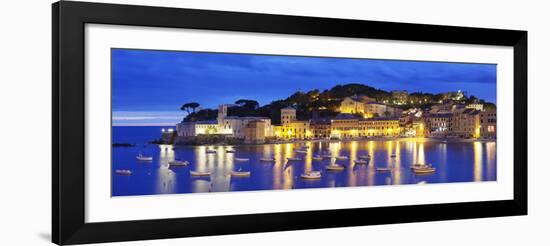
(224, 125)
(255, 132)
(320, 128)
(466, 123)
(291, 128)
(380, 127)
(438, 125)
(488, 121)
(344, 126)
(375, 109)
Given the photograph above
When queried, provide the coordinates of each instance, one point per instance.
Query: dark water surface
(455, 162)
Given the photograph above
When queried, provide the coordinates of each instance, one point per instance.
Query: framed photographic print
(176, 122)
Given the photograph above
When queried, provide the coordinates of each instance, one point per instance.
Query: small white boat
(383, 169)
(123, 172)
(178, 163)
(301, 151)
(417, 165)
(211, 151)
(341, 157)
(304, 147)
(141, 157)
(240, 173)
(267, 159)
(241, 159)
(199, 174)
(317, 158)
(230, 151)
(424, 170)
(311, 175)
(361, 162)
(364, 156)
(335, 167)
(294, 159)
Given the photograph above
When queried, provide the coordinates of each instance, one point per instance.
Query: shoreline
(427, 139)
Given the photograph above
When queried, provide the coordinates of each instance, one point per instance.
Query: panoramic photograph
(197, 122)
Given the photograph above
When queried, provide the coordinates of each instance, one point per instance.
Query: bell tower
(288, 115)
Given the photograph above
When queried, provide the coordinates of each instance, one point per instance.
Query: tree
(250, 104)
(191, 105)
(194, 106)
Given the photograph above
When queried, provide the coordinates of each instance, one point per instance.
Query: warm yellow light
(289, 132)
(277, 133)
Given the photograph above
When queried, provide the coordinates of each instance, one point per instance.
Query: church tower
(222, 113)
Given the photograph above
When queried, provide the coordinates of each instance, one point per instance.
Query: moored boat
(141, 157)
(301, 151)
(294, 159)
(361, 162)
(311, 175)
(335, 167)
(418, 165)
(326, 156)
(230, 151)
(241, 159)
(267, 159)
(123, 172)
(393, 155)
(199, 174)
(178, 163)
(211, 151)
(424, 170)
(240, 173)
(364, 156)
(342, 157)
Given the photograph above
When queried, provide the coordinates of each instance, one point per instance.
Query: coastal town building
(367, 107)
(488, 121)
(290, 127)
(349, 126)
(465, 123)
(380, 127)
(400, 97)
(476, 106)
(375, 109)
(439, 124)
(255, 132)
(320, 128)
(233, 126)
(344, 126)
(441, 120)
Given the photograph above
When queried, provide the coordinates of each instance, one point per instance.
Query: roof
(205, 122)
(289, 107)
(381, 118)
(345, 117)
(246, 118)
(470, 111)
(441, 115)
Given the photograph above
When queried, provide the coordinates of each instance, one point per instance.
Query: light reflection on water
(455, 162)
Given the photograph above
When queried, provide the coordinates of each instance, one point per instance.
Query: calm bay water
(455, 162)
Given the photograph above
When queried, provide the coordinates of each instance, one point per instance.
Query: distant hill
(326, 103)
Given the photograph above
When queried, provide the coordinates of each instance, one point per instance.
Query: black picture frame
(68, 122)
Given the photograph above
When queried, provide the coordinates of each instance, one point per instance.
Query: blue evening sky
(148, 87)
